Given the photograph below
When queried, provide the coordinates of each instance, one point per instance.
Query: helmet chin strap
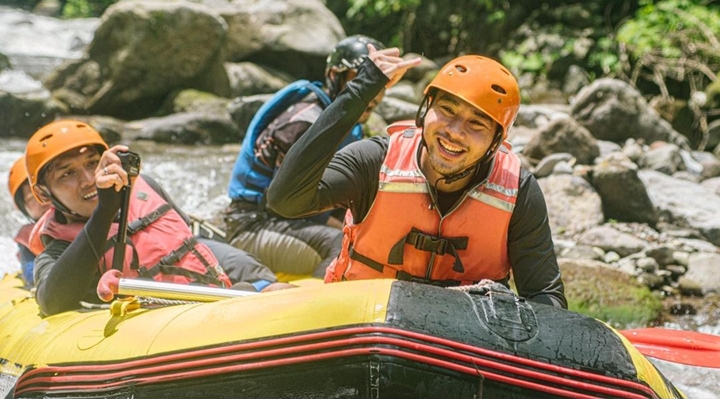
(56, 203)
(480, 162)
(62, 208)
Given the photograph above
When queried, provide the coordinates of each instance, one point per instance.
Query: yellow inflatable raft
(362, 339)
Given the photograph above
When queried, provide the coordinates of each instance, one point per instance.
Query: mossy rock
(191, 100)
(598, 290)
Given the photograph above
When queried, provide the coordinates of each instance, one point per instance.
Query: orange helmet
(18, 176)
(484, 83)
(53, 140)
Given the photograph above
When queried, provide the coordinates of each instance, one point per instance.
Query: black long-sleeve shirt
(314, 178)
(68, 272)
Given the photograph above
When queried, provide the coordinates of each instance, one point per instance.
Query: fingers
(109, 172)
(391, 64)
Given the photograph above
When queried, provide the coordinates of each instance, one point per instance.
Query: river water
(196, 177)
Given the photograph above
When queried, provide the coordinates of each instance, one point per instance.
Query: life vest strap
(145, 221)
(168, 265)
(136, 226)
(110, 244)
(401, 274)
(426, 242)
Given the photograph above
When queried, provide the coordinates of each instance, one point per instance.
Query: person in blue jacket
(294, 247)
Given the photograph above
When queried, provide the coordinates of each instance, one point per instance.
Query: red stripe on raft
(173, 371)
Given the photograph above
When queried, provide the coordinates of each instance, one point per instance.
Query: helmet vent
(45, 138)
(461, 68)
(498, 89)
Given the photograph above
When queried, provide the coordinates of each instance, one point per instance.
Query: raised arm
(305, 185)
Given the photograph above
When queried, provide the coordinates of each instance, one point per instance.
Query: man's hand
(109, 171)
(390, 62)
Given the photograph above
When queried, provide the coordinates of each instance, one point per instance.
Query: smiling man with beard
(443, 200)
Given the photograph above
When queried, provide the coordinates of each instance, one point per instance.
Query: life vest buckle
(428, 243)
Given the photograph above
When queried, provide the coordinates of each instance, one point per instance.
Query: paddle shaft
(177, 291)
(119, 253)
(686, 347)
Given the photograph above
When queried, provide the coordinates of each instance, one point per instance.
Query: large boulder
(142, 51)
(573, 204)
(294, 36)
(37, 44)
(684, 203)
(613, 110)
(566, 136)
(624, 196)
(25, 105)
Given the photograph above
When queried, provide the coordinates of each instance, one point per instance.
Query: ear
(422, 111)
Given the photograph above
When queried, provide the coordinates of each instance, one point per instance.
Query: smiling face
(70, 178)
(457, 135)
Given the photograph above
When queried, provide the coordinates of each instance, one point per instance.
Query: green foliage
(675, 39)
(431, 27)
(644, 311)
(664, 27)
(610, 295)
(85, 8)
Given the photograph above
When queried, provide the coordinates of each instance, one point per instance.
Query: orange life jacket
(404, 236)
(160, 243)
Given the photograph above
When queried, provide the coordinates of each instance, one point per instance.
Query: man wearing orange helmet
(70, 166)
(443, 200)
(26, 203)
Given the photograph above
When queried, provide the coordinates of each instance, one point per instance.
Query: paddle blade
(686, 347)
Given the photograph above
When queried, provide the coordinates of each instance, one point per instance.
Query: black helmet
(349, 53)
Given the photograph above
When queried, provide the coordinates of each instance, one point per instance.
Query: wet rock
(647, 264)
(609, 239)
(547, 164)
(563, 135)
(393, 109)
(573, 204)
(25, 105)
(665, 159)
(188, 128)
(247, 78)
(606, 104)
(242, 110)
(624, 197)
(688, 286)
(582, 252)
(142, 58)
(652, 281)
(704, 268)
(684, 203)
(676, 271)
(663, 254)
